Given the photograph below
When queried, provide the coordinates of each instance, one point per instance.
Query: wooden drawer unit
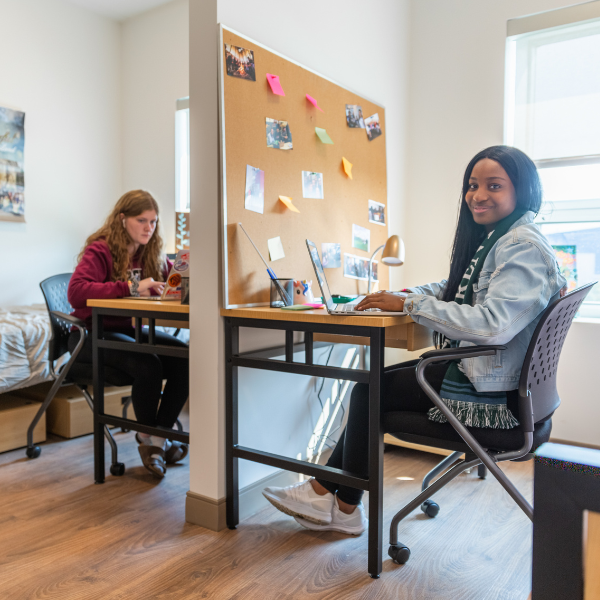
(16, 413)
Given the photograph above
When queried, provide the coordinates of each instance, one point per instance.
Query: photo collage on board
(240, 63)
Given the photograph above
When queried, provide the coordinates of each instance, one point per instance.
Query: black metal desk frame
(373, 377)
(99, 344)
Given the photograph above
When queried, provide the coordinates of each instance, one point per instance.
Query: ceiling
(119, 10)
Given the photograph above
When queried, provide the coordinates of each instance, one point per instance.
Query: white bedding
(24, 337)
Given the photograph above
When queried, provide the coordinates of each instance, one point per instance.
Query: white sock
(153, 440)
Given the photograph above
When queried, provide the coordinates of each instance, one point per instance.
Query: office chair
(72, 373)
(483, 447)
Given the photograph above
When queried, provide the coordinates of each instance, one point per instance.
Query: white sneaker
(300, 500)
(353, 524)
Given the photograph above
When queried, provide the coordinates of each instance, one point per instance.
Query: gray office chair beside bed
(72, 373)
(485, 448)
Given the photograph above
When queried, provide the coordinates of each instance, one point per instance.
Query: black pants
(400, 392)
(147, 372)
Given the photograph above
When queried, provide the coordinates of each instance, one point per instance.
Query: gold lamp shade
(393, 253)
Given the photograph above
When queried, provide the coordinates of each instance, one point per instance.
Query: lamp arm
(371, 267)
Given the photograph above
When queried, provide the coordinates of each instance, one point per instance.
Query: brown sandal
(153, 459)
(177, 450)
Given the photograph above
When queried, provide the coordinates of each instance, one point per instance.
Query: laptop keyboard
(346, 307)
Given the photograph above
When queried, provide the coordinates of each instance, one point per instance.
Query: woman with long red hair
(121, 259)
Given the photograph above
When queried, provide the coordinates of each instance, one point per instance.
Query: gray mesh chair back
(55, 294)
(538, 376)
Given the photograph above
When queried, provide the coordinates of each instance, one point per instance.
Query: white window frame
(182, 155)
(572, 211)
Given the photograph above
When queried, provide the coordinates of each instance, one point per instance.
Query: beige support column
(205, 500)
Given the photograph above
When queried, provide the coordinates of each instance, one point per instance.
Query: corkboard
(244, 105)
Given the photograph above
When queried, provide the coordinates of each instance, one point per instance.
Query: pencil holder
(287, 286)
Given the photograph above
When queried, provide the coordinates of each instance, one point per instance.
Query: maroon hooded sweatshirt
(92, 279)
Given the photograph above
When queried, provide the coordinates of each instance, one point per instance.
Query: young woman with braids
(124, 258)
(503, 273)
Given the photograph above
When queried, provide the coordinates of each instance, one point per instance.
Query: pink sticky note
(275, 85)
(314, 102)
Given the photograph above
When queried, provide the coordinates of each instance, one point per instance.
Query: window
(182, 156)
(553, 114)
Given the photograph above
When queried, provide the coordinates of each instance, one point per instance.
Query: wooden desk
(316, 324)
(400, 332)
(139, 310)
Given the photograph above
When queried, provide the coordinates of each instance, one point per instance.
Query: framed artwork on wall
(12, 177)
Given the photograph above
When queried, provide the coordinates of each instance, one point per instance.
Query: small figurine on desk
(303, 292)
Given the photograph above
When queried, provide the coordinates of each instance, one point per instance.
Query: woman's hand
(383, 301)
(148, 284)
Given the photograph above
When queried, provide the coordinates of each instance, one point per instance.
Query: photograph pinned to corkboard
(322, 206)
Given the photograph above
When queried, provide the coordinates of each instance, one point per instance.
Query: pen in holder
(282, 292)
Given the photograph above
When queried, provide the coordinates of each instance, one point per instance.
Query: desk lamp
(393, 255)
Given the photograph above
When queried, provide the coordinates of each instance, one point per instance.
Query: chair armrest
(456, 353)
(69, 318)
(82, 333)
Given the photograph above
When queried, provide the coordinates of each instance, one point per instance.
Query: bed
(24, 337)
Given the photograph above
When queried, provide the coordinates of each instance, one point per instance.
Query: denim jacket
(518, 278)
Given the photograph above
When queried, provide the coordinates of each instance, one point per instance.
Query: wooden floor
(62, 537)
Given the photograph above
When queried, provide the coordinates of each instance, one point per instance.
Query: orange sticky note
(314, 102)
(288, 202)
(275, 84)
(347, 167)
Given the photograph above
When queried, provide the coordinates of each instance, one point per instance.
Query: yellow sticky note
(288, 202)
(347, 167)
(275, 248)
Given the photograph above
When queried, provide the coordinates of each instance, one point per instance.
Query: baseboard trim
(389, 439)
(211, 513)
(571, 443)
(251, 498)
(206, 512)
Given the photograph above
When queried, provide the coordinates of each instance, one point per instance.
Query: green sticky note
(323, 136)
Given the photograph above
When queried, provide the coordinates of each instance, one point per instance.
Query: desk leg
(98, 373)
(232, 333)
(377, 336)
(308, 347)
(289, 346)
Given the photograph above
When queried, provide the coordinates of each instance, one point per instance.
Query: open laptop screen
(316, 261)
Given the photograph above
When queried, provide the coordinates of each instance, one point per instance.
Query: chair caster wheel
(430, 508)
(482, 471)
(399, 554)
(117, 469)
(33, 452)
(123, 430)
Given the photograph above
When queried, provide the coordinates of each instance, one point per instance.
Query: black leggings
(148, 372)
(401, 391)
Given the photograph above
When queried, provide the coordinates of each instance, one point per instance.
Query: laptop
(341, 309)
(173, 284)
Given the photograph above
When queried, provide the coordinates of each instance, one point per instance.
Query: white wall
(60, 65)
(155, 73)
(333, 39)
(456, 108)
